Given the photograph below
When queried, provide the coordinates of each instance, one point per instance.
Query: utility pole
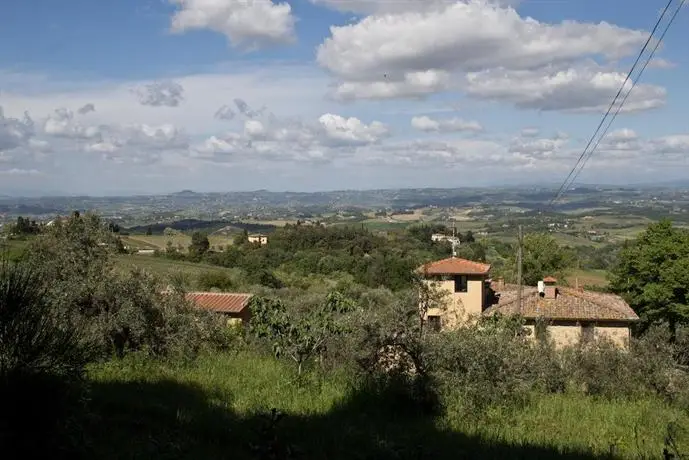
(519, 268)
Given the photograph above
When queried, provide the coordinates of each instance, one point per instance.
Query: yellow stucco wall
(570, 334)
(563, 336)
(619, 335)
(461, 306)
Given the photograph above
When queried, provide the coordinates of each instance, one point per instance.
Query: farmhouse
(258, 238)
(568, 316)
(231, 305)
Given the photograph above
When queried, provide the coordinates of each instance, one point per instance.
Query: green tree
(542, 256)
(652, 274)
(199, 245)
(149, 231)
(42, 359)
(241, 238)
(299, 336)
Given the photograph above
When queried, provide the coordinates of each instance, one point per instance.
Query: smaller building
(258, 238)
(234, 306)
(436, 237)
(568, 316)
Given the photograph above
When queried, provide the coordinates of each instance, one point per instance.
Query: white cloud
(285, 88)
(385, 55)
(160, 93)
(530, 132)
(352, 130)
(410, 85)
(86, 109)
(660, 63)
(15, 132)
(62, 124)
(583, 89)
(675, 144)
(248, 24)
(20, 172)
(428, 124)
(274, 138)
(395, 6)
(102, 147)
(533, 150)
(224, 113)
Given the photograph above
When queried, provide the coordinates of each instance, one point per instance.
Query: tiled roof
(454, 266)
(570, 304)
(220, 302)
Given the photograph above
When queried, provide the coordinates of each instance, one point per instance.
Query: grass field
(216, 409)
(167, 268)
(160, 241)
(588, 278)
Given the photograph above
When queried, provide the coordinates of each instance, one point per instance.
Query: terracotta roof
(221, 302)
(454, 266)
(549, 279)
(570, 304)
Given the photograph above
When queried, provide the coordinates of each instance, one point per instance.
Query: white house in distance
(258, 238)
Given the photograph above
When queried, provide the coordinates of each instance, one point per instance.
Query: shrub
(128, 312)
(490, 364)
(215, 280)
(42, 359)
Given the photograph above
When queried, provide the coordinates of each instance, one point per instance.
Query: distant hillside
(209, 226)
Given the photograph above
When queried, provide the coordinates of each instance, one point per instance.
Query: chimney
(550, 288)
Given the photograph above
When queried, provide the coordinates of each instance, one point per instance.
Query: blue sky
(162, 95)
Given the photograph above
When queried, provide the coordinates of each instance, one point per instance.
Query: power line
(563, 187)
(643, 68)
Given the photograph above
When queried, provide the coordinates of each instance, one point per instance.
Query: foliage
(652, 274)
(300, 337)
(199, 245)
(42, 360)
(542, 256)
(119, 312)
(600, 369)
(493, 354)
(209, 280)
(301, 250)
(214, 409)
(25, 226)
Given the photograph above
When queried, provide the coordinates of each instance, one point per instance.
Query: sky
(158, 96)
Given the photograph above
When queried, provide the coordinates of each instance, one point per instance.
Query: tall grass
(213, 409)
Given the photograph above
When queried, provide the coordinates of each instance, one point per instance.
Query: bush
(42, 360)
(128, 312)
(215, 280)
(601, 369)
(491, 364)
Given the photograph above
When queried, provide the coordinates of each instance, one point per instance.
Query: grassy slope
(588, 278)
(160, 241)
(165, 268)
(212, 410)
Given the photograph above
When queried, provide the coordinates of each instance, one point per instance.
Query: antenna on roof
(453, 241)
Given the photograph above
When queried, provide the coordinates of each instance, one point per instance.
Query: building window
(434, 323)
(587, 333)
(461, 283)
